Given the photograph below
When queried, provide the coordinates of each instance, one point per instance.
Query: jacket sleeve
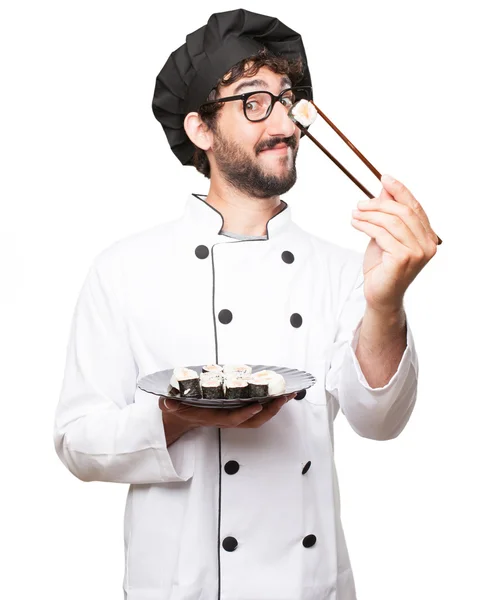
(376, 413)
(100, 432)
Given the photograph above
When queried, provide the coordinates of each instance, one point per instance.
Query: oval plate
(159, 384)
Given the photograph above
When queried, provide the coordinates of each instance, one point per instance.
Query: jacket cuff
(409, 357)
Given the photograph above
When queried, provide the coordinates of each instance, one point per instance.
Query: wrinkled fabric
(149, 303)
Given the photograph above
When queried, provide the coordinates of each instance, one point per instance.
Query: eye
(252, 105)
(287, 101)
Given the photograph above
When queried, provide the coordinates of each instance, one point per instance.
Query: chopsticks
(335, 161)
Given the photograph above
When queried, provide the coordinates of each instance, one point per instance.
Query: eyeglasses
(257, 106)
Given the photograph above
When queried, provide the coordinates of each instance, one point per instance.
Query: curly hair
(247, 67)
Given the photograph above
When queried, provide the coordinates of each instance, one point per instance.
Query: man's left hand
(402, 243)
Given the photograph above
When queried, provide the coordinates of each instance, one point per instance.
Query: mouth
(278, 149)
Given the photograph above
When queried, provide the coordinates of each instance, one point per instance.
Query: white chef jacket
(231, 514)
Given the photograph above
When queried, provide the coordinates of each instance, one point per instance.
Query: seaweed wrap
(212, 385)
(236, 387)
(266, 383)
(188, 382)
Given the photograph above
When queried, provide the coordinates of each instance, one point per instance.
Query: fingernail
(388, 179)
(257, 409)
(170, 408)
(362, 203)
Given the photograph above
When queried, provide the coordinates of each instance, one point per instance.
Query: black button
(230, 544)
(300, 395)
(231, 467)
(306, 467)
(309, 541)
(296, 320)
(225, 316)
(202, 252)
(288, 257)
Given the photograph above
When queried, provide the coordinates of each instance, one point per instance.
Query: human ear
(197, 131)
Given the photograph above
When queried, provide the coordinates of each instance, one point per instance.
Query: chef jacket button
(230, 544)
(306, 467)
(225, 316)
(202, 252)
(288, 257)
(232, 467)
(300, 395)
(309, 541)
(296, 320)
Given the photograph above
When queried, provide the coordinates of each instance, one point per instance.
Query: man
(240, 504)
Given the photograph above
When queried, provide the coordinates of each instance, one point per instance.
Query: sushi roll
(212, 385)
(237, 370)
(266, 383)
(212, 369)
(236, 387)
(187, 382)
(303, 112)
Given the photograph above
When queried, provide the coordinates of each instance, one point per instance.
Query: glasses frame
(274, 98)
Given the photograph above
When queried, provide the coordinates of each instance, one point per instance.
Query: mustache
(291, 142)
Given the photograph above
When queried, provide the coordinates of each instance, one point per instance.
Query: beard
(246, 174)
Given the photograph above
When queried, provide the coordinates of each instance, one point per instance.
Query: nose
(278, 123)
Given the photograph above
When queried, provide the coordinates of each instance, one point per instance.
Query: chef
(240, 504)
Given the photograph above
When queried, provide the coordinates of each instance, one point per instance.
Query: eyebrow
(259, 83)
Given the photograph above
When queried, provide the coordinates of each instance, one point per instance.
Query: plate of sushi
(226, 386)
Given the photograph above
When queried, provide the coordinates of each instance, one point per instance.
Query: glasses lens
(288, 98)
(257, 105)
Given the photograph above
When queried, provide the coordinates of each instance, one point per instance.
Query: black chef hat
(193, 70)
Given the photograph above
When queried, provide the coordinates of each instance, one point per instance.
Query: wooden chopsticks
(335, 161)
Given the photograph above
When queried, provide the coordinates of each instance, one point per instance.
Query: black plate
(159, 384)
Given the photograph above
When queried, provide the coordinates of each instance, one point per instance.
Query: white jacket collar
(200, 214)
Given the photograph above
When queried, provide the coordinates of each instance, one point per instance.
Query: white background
(84, 163)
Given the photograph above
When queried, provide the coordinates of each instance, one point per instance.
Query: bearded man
(240, 504)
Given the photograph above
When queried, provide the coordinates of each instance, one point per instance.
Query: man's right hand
(178, 418)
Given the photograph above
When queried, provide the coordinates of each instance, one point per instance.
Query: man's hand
(178, 418)
(402, 243)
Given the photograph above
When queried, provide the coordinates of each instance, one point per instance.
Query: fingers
(400, 221)
(209, 417)
(270, 409)
(251, 415)
(383, 238)
(402, 195)
(392, 224)
(403, 212)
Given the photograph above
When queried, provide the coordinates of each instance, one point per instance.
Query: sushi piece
(266, 383)
(236, 387)
(237, 370)
(303, 112)
(212, 385)
(187, 382)
(212, 369)
(180, 373)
